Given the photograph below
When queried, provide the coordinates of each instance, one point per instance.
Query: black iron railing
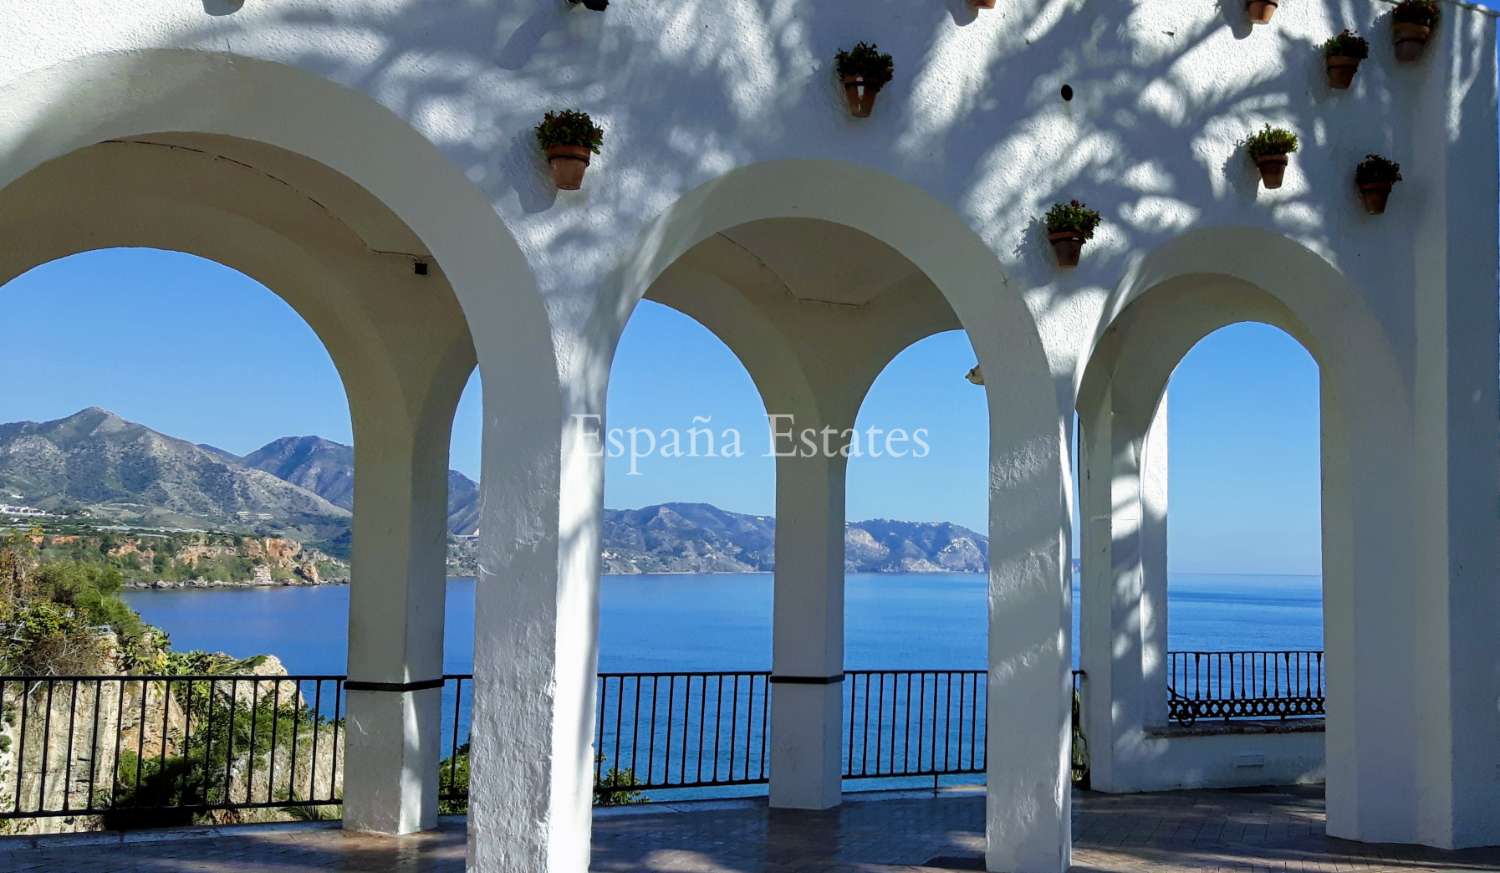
(659, 731)
(913, 723)
(135, 747)
(453, 771)
(156, 750)
(1244, 685)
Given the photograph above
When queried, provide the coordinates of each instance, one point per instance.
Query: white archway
(1029, 790)
(1381, 774)
(341, 197)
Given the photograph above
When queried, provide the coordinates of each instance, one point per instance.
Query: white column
(807, 662)
(1029, 707)
(396, 594)
(1414, 655)
(1123, 626)
(535, 654)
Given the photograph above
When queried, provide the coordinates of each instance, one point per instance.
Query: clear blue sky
(199, 351)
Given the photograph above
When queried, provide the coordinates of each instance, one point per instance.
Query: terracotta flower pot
(1272, 169)
(982, 4)
(1411, 39)
(1375, 195)
(1341, 70)
(568, 164)
(1068, 245)
(861, 97)
(1260, 11)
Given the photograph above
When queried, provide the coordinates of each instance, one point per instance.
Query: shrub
(1375, 169)
(1347, 44)
(1271, 141)
(866, 61)
(1073, 216)
(617, 788)
(453, 783)
(50, 639)
(569, 127)
(1424, 12)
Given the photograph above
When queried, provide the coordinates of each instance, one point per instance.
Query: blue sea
(723, 622)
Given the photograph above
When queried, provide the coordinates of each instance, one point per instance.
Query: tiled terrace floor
(1201, 831)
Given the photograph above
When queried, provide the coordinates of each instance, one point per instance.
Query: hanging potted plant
(1343, 54)
(1269, 148)
(1260, 11)
(1069, 226)
(863, 71)
(569, 138)
(1375, 176)
(1412, 22)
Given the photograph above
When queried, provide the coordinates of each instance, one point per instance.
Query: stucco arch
(362, 305)
(1183, 292)
(362, 165)
(1299, 292)
(122, 95)
(1029, 647)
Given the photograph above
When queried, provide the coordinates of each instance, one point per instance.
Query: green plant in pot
(1374, 176)
(1342, 54)
(1412, 22)
(1069, 226)
(1269, 148)
(863, 71)
(569, 138)
(1260, 11)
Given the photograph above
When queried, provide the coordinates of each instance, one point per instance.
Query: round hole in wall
(1067, 92)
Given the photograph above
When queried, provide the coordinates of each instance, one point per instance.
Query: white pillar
(807, 663)
(1029, 707)
(1123, 627)
(396, 593)
(535, 654)
(1414, 654)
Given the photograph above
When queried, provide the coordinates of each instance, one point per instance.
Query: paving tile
(1201, 831)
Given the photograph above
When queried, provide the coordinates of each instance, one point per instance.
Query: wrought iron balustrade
(159, 750)
(1244, 685)
(914, 723)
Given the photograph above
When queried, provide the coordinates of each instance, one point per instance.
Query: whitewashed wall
(727, 111)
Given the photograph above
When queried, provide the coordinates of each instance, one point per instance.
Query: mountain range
(97, 464)
(701, 538)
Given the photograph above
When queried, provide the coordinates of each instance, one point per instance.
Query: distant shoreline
(219, 584)
(209, 584)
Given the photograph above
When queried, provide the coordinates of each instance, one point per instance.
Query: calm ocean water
(723, 622)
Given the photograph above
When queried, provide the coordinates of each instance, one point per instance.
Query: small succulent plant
(1271, 141)
(867, 61)
(569, 127)
(1375, 169)
(1347, 44)
(1073, 217)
